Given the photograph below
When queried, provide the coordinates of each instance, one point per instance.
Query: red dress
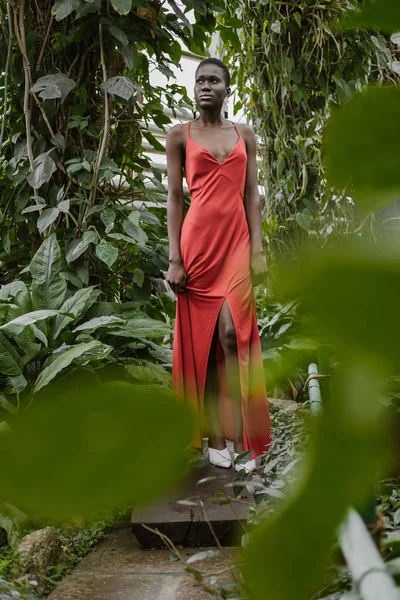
(215, 250)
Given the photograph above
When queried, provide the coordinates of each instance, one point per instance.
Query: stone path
(117, 569)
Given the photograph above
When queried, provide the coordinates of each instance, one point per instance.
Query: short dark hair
(216, 61)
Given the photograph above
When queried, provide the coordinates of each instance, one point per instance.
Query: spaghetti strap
(237, 130)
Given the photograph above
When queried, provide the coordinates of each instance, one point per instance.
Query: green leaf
(138, 277)
(48, 287)
(96, 322)
(62, 361)
(149, 372)
(119, 35)
(12, 289)
(77, 305)
(98, 433)
(16, 385)
(14, 521)
(108, 217)
(135, 232)
(63, 8)
(147, 328)
(43, 168)
(181, 15)
(7, 405)
(361, 146)
(17, 325)
(10, 360)
(377, 14)
(107, 252)
(47, 217)
(54, 86)
(80, 246)
(121, 87)
(304, 219)
(123, 7)
(335, 474)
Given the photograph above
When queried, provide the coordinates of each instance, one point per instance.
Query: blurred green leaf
(362, 149)
(376, 14)
(102, 446)
(350, 442)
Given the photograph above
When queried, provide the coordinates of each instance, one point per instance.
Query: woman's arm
(176, 275)
(252, 205)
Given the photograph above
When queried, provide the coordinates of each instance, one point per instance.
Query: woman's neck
(211, 118)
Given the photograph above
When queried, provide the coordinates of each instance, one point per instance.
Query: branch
(106, 128)
(10, 34)
(46, 37)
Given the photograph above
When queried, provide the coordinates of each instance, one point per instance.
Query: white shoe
(220, 458)
(248, 466)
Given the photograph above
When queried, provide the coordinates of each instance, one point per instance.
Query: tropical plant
(78, 114)
(47, 329)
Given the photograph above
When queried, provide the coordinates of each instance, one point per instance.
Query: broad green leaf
(162, 354)
(78, 440)
(123, 7)
(15, 385)
(119, 35)
(47, 217)
(97, 322)
(304, 219)
(17, 325)
(107, 252)
(54, 86)
(76, 305)
(138, 277)
(48, 287)
(63, 8)
(376, 14)
(340, 470)
(43, 168)
(149, 372)
(147, 328)
(10, 360)
(361, 146)
(344, 289)
(12, 289)
(62, 361)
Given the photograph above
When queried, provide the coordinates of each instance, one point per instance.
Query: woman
(214, 251)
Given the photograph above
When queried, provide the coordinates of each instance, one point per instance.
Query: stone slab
(117, 569)
(199, 523)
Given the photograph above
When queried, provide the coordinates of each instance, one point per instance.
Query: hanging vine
(289, 63)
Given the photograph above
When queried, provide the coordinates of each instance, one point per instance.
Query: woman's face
(210, 89)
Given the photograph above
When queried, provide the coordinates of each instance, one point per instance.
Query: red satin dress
(215, 250)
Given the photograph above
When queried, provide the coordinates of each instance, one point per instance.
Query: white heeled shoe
(220, 458)
(248, 466)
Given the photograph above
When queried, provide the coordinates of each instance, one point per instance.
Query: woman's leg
(211, 400)
(227, 337)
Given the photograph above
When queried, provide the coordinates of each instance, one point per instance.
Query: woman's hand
(176, 276)
(258, 267)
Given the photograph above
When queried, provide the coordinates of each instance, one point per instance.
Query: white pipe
(314, 390)
(367, 568)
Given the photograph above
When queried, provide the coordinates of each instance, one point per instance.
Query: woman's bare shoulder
(245, 131)
(177, 133)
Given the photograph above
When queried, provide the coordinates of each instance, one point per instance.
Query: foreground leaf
(362, 149)
(82, 437)
(376, 14)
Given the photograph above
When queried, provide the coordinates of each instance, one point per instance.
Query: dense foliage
(290, 62)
